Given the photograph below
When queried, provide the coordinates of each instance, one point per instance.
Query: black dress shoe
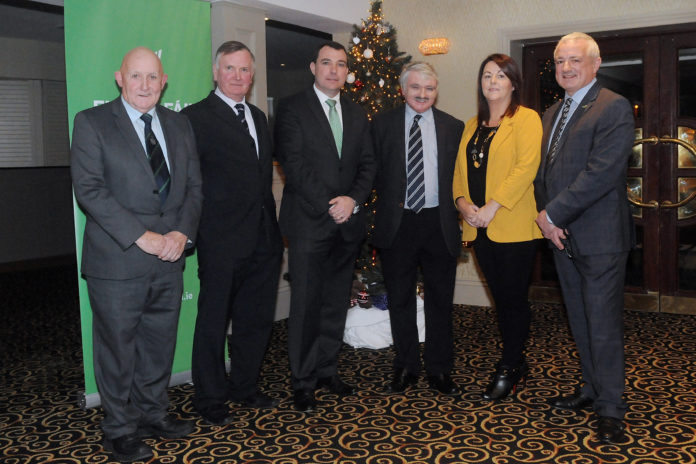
(258, 400)
(610, 430)
(304, 400)
(127, 448)
(443, 383)
(336, 385)
(167, 427)
(574, 402)
(216, 416)
(401, 381)
(506, 380)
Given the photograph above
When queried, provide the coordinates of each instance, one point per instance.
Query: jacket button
(401, 205)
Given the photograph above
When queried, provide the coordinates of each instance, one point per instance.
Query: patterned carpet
(41, 372)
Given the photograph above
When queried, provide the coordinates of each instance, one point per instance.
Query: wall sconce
(434, 46)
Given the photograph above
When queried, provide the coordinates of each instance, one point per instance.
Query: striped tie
(156, 158)
(415, 176)
(559, 130)
(241, 116)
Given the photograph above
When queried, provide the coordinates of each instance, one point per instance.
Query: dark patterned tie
(559, 130)
(415, 175)
(240, 115)
(156, 158)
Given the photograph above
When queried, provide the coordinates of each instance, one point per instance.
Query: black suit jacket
(237, 185)
(114, 185)
(388, 134)
(584, 189)
(314, 173)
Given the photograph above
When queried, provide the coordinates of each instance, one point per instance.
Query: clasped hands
(475, 216)
(341, 209)
(167, 247)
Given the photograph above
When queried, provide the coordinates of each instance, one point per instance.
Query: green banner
(98, 33)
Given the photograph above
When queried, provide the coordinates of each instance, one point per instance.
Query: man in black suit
(584, 212)
(416, 225)
(323, 144)
(136, 175)
(239, 244)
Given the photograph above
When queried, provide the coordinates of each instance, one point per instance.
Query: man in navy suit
(419, 229)
(323, 144)
(136, 175)
(239, 244)
(581, 195)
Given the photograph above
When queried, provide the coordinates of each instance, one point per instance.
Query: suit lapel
(125, 126)
(579, 112)
(441, 136)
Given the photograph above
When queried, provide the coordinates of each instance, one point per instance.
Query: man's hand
(175, 242)
(341, 209)
(550, 231)
(151, 243)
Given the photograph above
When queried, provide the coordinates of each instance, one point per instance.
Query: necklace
(478, 151)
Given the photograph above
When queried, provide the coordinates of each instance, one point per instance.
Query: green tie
(335, 123)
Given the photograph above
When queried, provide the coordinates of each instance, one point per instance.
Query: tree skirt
(370, 328)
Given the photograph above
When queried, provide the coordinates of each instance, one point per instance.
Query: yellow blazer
(513, 160)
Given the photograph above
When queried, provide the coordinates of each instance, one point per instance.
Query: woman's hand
(469, 211)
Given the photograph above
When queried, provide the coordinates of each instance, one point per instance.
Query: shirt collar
(411, 113)
(227, 99)
(580, 94)
(134, 114)
(323, 97)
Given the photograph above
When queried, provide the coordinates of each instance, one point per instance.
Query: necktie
(415, 175)
(559, 130)
(240, 115)
(335, 123)
(156, 158)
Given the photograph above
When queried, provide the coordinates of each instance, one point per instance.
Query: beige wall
(477, 28)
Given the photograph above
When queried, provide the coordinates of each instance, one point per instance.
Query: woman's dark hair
(512, 71)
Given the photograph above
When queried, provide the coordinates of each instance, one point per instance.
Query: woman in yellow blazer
(498, 158)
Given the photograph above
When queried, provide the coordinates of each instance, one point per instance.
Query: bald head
(141, 79)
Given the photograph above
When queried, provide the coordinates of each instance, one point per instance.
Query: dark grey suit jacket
(388, 134)
(314, 173)
(584, 189)
(236, 183)
(114, 185)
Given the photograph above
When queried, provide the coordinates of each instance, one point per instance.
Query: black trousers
(507, 268)
(320, 280)
(420, 242)
(243, 291)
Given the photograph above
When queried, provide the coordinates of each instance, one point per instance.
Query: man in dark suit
(136, 175)
(323, 144)
(584, 212)
(416, 225)
(239, 244)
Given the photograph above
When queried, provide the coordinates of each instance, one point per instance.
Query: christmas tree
(375, 64)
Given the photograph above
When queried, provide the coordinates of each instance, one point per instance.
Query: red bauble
(359, 84)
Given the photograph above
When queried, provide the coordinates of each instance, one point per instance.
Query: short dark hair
(512, 71)
(231, 46)
(334, 45)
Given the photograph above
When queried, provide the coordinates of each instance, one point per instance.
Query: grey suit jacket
(314, 173)
(388, 134)
(115, 187)
(584, 189)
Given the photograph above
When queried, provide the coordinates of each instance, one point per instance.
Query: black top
(477, 162)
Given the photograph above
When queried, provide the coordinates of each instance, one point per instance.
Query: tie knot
(568, 101)
(240, 108)
(147, 118)
(331, 102)
(416, 118)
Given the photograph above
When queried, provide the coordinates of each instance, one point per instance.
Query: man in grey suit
(136, 176)
(584, 212)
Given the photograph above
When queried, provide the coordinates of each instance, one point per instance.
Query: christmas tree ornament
(368, 53)
(350, 78)
(368, 73)
(381, 82)
(356, 40)
(359, 84)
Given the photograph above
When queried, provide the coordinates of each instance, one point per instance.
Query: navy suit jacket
(388, 134)
(314, 173)
(115, 186)
(237, 184)
(584, 188)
